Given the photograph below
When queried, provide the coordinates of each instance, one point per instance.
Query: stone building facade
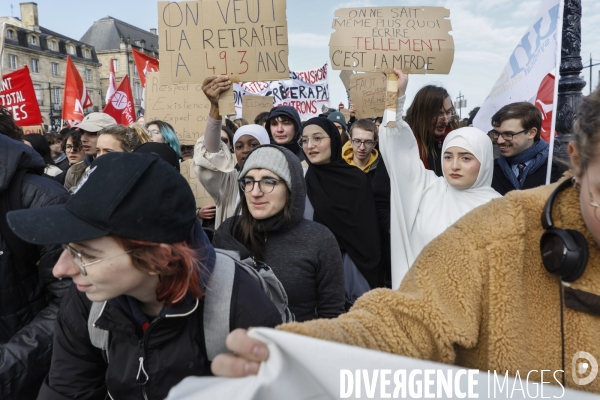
(45, 53)
(114, 40)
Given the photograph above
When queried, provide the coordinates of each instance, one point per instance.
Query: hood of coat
(298, 189)
(291, 113)
(15, 156)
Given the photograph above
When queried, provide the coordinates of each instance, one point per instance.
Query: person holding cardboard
(214, 164)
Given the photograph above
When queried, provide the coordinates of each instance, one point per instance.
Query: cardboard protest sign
(368, 94)
(33, 129)
(201, 195)
(413, 39)
(345, 77)
(184, 106)
(227, 102)
(254, 105)
(18, 96)
(246, 40)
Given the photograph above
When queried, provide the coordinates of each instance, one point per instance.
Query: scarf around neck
(537, 154)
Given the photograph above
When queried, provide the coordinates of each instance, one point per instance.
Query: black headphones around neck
(564, 251)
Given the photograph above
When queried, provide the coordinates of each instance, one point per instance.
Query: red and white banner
(144, 64)
(525, 75)
(112, 82)
(18, 96)
(306, 91)
(76, 96)
(120, 105)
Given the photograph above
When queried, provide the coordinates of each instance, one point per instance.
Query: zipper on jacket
(141, 368)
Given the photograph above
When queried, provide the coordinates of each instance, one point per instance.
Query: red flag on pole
(76, 96)
(112, 82)
(144, 64)
(18, 96)
(120, 105)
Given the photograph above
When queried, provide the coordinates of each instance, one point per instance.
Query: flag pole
(559, 28)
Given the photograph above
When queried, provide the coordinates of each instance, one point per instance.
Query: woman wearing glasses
(162, 132)
(74, 150)
(339, 197)
(269, 222)
(423, 204)
(214, 163)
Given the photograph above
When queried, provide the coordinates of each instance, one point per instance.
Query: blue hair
(168, 134)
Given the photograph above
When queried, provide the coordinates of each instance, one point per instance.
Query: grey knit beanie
(269, 158)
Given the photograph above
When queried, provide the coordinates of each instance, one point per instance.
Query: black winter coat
(30, 297)
(502, 185)
(171, 348)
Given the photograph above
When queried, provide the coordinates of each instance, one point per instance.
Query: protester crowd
(412, 238)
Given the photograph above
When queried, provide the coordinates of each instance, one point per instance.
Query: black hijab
(342, 199)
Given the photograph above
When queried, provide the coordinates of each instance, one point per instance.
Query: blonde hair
(130, 138)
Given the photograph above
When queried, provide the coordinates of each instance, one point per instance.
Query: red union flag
(144, 64)
(76, 96)
(120, 105)
(18, 96)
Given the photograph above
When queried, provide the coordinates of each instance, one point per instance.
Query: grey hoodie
(304, 256)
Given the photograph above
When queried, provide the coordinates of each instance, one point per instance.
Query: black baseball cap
(137, 196)
(161, 150)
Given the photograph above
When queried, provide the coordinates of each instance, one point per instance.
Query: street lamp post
(570, 83)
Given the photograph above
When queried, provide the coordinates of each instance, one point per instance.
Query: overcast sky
(485, 34)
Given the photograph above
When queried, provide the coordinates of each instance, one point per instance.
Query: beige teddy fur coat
(479, 296)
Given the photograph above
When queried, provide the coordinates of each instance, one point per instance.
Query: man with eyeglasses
(360, 150)
(523, 157)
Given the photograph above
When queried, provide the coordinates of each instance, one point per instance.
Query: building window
(88, 75)
(52, 45)
(10, 34)
(135, 72)
(38, 94)
(35, 67)
(12, 61)
(33, 40)
(71, 49)
(137, 92)
(54, 69)
(56, 100)
(116, 64)
(86, 53)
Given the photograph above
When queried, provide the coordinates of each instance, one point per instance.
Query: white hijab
(438, 204)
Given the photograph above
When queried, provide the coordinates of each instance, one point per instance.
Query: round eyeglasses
(265, 185)
(78, 258)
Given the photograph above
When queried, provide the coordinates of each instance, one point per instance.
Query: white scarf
(424, 205)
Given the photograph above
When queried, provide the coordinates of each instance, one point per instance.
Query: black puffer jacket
(146, 364)
(30, 297)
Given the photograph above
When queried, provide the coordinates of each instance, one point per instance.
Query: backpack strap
(217, 304)
(98, 337)
(25, 254)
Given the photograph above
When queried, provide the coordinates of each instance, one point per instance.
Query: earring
(576, 184)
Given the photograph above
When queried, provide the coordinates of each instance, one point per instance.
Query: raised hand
(213, 86)
(402, 82)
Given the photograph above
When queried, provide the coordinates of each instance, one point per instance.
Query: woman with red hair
(133, 324)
